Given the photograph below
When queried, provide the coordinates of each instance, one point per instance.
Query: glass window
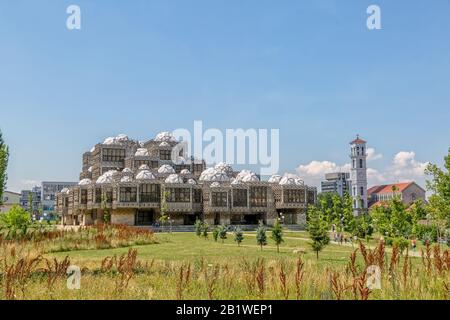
(219, 199)
(179, 195)
(240, 198)
(113, 155)
(258, 197)
(128, 194)
(83, 196)
(150, 193)
(197, 194)
(165, 154)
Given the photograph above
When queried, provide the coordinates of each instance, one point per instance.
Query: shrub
(198, 228)
(222, 232)
(238, 236)
(216, 233)
(16, 221)
(261, 238)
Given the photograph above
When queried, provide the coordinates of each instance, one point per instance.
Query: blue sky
(310, 68)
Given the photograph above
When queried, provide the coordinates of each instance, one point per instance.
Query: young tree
(318, 230)
(439, 202)
(223, 233)
(105, 209)
(238, 236)
(261, 238)
(4, 156)
(16, 221)
(348, 219)
(198, 227)
(277, 234)
(164, 209)
(205, 229)
(215, 233)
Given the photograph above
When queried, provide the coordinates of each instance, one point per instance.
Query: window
(154, 164)
(362, 191)
(139, 163)
(354, 163)
(219, 199)
(197, 195)
(311, 197)
(165, 154)
(180, 167)
(294, 196)
(98, 195)
(361, 163)
(198, 168)
(109, 196)
(240, 198)
(179, 195)
(258, 197)
(83, 196)
(150, 193)
(113, 155)
(128, 194)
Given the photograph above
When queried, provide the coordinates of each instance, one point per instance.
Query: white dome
(219, 176)
(166, 137)
(145, 175)
(299, 182)
(192, 181)
(92, 149)
(126, 179)
(287, 181)
(222, 166)
(235, 181)
(207, 174)
(127, 171)
(141, 152)
(144, 167)
(215, 185)
(165, 168)
(250, 178)
(65, 190)
(174, 178)
(122, 138)
(85, 182)
(107, 177)
(247, 176)
(185, 171)
(275, 178)
(164, 144)
(90, 169)
(109, 140)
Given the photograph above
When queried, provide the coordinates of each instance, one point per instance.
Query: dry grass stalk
(283, 282)
(55, 269)
(260, 277)
(211, 280)
(183, 279)
(299, 277)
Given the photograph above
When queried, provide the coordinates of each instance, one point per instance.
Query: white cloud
(372, 155)
(406, 167)
(314, 172)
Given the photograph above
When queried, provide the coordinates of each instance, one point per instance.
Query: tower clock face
(360, 175)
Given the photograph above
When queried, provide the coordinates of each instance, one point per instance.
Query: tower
(358, 175)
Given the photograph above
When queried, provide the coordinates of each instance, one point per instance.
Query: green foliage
(164, 217)
(363, 226)
(338, 211)
(216, 233)
(222, 232)
(318, 229)
(4, 157)
(261, 237)
(198, 227)
(277, 234)
(205, 229)
(105, 209)
(392, 219)
(238, 236)
(439, 202)
(16, 221)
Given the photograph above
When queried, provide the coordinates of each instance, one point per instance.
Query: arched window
(361, 163)
(362, 191)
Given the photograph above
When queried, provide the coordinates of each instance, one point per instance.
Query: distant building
(36, 199)
(10, 199)
(358, 175)
(408, 192)
(336, 182)
(49, 191)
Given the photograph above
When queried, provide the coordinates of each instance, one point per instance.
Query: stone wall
(123, 216)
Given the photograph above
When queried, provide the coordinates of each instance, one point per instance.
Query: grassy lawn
(189, 247)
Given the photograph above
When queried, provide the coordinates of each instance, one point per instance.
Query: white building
(358, 175)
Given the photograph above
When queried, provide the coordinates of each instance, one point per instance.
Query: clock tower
(358, 175)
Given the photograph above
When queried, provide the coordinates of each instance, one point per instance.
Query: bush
(401, 243)
(222, 232)
(198, 227)
(429, 233)
(16, 221)
(216, 233)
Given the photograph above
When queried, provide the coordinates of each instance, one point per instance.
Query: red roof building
(408, 192)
